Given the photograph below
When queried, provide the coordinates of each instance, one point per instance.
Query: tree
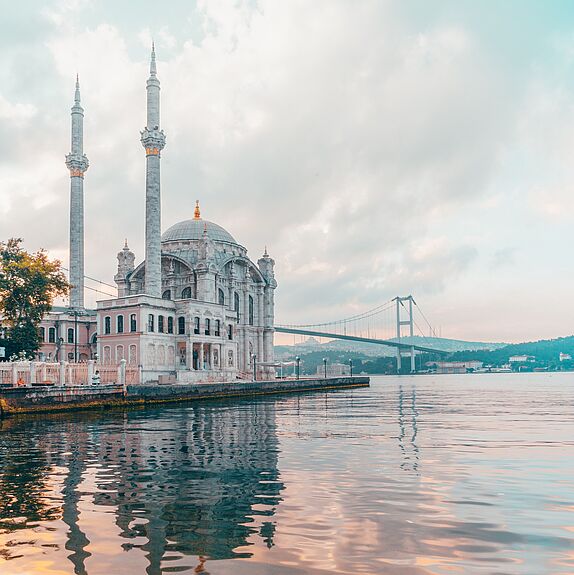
(29, 282)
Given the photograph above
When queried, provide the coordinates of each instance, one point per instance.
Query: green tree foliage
(29, 282)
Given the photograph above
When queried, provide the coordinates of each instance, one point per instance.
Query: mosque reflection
(201, 481)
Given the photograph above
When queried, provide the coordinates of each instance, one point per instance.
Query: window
(52, 335)
(150, 322)
(133, 322)
(217, 328)
(221, 297)
(196, 325)
(70, 335)
(133, 355)
(181, 325)
(236, 304)
(230, 331)
(42, 334)
(207, 326)
(107, 325)
(186, 293)
(166, 294)
(160, 323)
(120, 324)
(170, 325)
(119, 353)
(250, 310)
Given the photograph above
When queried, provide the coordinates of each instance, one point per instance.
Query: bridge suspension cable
(354, 318)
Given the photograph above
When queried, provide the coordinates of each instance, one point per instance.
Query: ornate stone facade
(197, 308)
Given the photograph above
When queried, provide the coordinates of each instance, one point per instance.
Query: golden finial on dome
(197, 213)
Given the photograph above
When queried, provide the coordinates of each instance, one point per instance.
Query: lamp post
(325, 367)
(297, 365)
(351, 367)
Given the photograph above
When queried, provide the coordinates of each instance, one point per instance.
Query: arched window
(133, 322)
(166, 294)
(120, 324)
(181, 325)
(207, 326)
(150, 322)
(119, 353)
(42, 334)
(221, 296)
(107, 354)
(133, 355)
(236, 304)
(196, 325)
(70, 335)
(169, 324)
(217, 328)
(107, 325)
(52, 335)
(250, 310)
(186, 293)
(160, 323)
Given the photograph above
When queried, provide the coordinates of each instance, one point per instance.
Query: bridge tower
(401, 321)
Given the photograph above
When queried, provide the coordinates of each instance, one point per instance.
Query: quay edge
(23, 400)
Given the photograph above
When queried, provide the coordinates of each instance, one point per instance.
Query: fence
(26, 373)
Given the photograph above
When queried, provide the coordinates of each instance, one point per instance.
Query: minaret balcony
(153, 140)
(77, 164)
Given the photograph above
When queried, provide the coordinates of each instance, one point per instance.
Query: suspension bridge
(394, 323)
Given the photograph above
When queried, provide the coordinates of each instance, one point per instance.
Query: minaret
(77, 163)
(153, 140)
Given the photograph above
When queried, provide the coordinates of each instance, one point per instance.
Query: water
(424, 475)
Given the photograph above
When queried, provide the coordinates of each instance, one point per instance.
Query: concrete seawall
(63, 398)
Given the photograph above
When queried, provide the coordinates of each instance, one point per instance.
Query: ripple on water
(415, 475)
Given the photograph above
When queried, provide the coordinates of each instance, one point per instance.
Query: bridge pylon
(402, 311)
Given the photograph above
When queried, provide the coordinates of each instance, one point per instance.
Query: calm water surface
(416, 475)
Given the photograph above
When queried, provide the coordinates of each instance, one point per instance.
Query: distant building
(521, 359)
(334, 369)
(455, 366)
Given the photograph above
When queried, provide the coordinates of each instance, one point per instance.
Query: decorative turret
(153, 140)
(206, 247)
(197, 211)
(126, 261)
(266, 265)
(77, 163)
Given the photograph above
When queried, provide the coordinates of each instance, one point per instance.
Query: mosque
(196, 309)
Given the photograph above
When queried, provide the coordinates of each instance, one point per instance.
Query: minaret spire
(153, 140)
(77, 163)
(152, 64)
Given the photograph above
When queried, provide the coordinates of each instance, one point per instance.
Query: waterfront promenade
(31, 399)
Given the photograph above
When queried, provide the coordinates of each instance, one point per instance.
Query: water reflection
(200, 483)
(407, 420)
(417, 476)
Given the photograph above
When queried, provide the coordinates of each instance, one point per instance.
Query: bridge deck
(405, 346)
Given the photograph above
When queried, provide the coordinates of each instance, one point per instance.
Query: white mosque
(196, 309)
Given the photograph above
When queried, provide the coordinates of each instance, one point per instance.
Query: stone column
(153, 140)
(90, 371)
(201, 365)
(77, 163)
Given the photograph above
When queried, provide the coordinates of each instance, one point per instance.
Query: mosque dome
(193, 230)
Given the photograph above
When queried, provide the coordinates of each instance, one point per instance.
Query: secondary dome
(193, 230)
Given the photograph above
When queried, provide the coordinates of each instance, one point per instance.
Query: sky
(376, 148)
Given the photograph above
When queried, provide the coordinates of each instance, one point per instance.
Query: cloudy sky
(377, 148)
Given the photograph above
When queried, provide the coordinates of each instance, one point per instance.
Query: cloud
(349, 138)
